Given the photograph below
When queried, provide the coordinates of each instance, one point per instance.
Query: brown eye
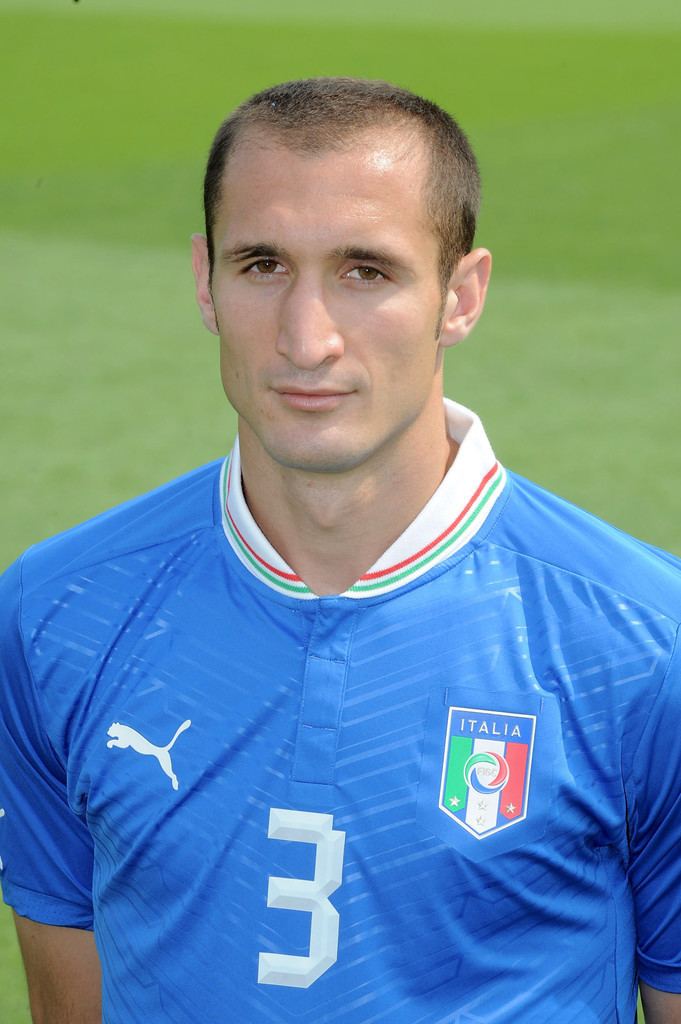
(265, 266)
(366, 273)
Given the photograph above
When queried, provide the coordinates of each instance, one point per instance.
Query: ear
(201, 268)
(465, 296)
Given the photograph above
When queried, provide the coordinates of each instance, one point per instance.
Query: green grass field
(109, 382)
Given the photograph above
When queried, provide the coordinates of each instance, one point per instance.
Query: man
(356, 727)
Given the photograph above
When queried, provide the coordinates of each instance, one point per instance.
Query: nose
(308, 335)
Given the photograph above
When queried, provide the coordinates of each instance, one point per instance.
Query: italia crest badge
(486, 767)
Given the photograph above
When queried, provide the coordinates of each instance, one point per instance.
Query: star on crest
(454, 801)
(510, 808)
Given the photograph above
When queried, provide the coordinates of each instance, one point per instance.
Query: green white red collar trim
(451, 518)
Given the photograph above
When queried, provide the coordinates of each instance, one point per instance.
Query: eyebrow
(249, 251)
(360, 254)
(270, 250)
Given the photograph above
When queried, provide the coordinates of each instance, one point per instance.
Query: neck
(331, 528)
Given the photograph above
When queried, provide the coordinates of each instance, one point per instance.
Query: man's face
(327, 300)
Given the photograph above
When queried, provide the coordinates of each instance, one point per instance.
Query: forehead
(375, 182)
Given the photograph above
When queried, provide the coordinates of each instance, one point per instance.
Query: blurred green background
(109, 384)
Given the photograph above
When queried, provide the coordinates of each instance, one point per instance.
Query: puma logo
(125, 736)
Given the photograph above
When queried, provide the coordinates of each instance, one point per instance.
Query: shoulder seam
(633, 760)
(36, 692)
(588, 579)
(202, 522)
(649, 716)
(132, 550)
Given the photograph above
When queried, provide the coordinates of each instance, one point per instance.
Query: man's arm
(660, 1007)
(63, 973)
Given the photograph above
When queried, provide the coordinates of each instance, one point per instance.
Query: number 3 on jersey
(305, 894)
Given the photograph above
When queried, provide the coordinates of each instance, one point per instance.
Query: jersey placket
(324, 677)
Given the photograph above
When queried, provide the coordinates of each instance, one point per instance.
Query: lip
(312, 400)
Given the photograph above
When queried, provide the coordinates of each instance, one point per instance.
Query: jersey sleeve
(654, 807)
(45, 848)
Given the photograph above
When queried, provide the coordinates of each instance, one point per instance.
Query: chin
(315, 458)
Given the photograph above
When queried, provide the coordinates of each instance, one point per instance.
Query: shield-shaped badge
(486, 766)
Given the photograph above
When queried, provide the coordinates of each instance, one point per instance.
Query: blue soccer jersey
(450, 794)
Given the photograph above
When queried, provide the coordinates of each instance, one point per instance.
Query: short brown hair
(317, 114)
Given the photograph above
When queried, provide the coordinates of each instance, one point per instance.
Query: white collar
(452, 517)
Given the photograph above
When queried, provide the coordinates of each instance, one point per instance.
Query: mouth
(311, 399)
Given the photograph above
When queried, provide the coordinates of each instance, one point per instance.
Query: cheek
(240, 301)
(405, 351)
(243, 374)
(231, 369)
(248, 325)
